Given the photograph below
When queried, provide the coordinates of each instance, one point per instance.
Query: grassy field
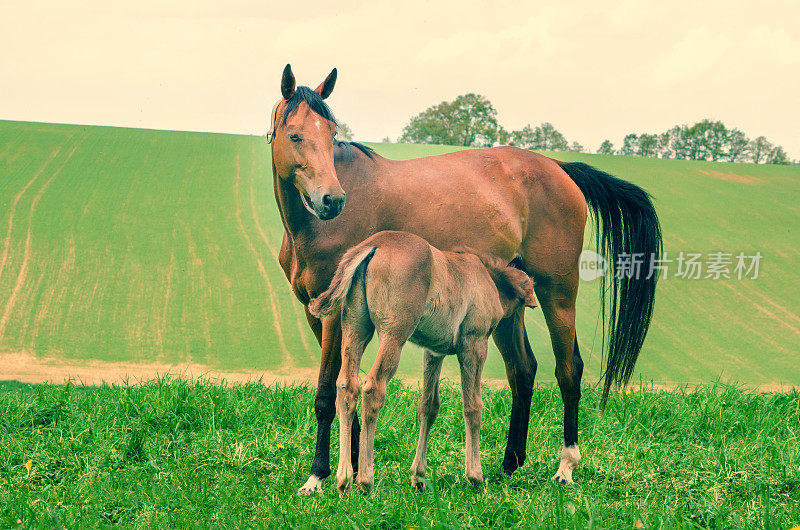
(174, 454)
(151, 246)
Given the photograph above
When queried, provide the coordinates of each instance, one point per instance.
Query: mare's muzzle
(327, 205)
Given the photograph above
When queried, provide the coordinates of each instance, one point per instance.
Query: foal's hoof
(475, 480)
(343, 483)
(312, 485)
(366, 487)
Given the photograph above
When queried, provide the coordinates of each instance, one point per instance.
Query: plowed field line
(23, 271)
(287, 358)
(13, 209)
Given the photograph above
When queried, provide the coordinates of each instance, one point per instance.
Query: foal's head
(301, 132)
(514, 286)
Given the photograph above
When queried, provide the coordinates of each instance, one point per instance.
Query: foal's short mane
(318, 105)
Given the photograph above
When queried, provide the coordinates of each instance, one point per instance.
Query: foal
(449, 303)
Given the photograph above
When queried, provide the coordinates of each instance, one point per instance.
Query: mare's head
(302, 132)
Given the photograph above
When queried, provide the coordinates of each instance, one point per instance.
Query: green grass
(160, 246)
(171, 453)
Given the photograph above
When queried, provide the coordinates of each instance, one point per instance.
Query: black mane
(316, 104)
(370, 152)
(303, 93)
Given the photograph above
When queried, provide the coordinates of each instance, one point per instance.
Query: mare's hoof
(558, 479)
(312, 485)
(513, 460)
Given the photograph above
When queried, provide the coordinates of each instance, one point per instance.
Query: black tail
(626, 228)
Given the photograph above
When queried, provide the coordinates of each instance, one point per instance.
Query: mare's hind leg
(512, 341)
(557, 299)
(426, 413)
(471, 360)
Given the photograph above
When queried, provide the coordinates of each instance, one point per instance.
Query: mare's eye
(295, 138)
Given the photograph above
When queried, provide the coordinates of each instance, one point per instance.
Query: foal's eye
(295, 138)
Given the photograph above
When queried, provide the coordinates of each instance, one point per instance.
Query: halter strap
(273, 119)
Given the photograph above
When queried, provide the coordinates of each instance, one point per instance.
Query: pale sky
(594, 69)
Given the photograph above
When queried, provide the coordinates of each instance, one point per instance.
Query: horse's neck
(297, 220)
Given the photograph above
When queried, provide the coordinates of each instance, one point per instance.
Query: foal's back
(440, 296)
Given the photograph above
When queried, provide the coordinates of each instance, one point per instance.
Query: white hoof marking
(312, 485)
(570, 458)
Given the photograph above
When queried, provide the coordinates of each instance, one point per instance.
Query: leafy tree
(606, 148)
(760, 149)
(576, 147)
(648, 145)
(525, 138)
(777, 156)
(737, 146)
(664, 147)
(706, 140)
(344, 132)
(630, 145)
(548, 138)
(386, 140)
(469, 120)
(680, 142)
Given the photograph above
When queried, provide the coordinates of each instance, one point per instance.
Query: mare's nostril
(326, 200)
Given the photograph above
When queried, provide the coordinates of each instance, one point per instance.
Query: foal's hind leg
(557, 300)
(471, 360)
(426, 413)
(512, 341)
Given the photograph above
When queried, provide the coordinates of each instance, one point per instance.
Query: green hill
(153, 246)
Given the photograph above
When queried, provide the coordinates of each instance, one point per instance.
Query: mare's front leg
(324, 404)
(426, 413)
(471, 359)
(512, 341)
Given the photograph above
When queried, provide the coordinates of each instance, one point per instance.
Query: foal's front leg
(471, 359)
(371, 404)
(426, 413)
(348, 389)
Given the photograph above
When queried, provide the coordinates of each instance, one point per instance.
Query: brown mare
(397, 286)
(516, 205)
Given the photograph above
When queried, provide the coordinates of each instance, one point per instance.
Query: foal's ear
(287, 83)
(523, 286)
(326, 87)
(530, 296)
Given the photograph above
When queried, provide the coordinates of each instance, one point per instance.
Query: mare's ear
(326, 87)
(287, 83)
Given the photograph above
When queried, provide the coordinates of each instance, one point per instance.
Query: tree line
(471, 121)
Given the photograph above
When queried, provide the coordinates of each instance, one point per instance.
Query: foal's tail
(627, 232)
(330, 301)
